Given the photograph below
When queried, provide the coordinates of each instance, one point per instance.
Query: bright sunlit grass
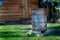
(18, 32)
(53, 24)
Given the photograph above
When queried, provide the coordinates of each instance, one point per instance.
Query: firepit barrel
(39, 20)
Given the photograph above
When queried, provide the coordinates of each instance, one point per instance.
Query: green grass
(19, 32)
(53, 24)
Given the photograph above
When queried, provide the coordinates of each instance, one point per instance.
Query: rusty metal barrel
(39, 20)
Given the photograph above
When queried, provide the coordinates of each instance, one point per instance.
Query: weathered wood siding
(34, 4)
(15, 10)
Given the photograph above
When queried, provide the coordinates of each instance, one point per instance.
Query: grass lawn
(19, 32)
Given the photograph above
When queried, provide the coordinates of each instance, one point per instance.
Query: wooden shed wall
(15, 10)
(34, 4)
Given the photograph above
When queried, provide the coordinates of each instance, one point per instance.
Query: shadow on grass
(11, 34)
(55, 31)
(15, 34)
(23, 22)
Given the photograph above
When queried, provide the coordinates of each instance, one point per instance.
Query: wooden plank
(18, 9)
